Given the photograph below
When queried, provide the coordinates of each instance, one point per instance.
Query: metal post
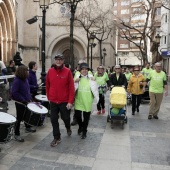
(91, 56)
(71, 59)
(43, 73)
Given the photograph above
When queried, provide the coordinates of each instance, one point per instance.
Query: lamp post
(104, 55)
(92, 45)
(44, 5)
(157, 39)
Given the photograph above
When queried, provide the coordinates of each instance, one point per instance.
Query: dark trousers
(82, 124)
(100, 104)
(65, 116)
(136, 100)
(20, 111)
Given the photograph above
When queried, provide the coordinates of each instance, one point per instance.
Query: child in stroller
(117, 107)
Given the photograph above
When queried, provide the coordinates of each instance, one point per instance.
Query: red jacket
(60, 85)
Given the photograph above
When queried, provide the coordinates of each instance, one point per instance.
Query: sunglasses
(136, 70)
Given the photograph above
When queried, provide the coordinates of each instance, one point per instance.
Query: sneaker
(103, 111)
(19, 138)
(74, 122)
(138, 110)
(31, 129)
(99, 112)
(150, 117)
(69, 132)
(83, 136)
(55, 142)
(133, 113)
(79, 131)
(155, 117)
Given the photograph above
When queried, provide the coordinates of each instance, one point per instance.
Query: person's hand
(77, 80)
(143, 89)
(69, 106)
(92, 78)
(123, 86)
(166, 93)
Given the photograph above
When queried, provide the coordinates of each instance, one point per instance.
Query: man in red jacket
(60, 93)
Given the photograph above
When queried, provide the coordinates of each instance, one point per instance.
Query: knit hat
(84, 65)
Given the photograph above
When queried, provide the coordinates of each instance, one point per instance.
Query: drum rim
(8, 122)
(36, 112)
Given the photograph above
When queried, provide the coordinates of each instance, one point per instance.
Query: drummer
(32, 78)
(21, 94)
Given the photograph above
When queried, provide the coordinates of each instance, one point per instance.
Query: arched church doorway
(7, 30)
(63, 47)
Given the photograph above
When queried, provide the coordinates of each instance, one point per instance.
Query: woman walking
(136, 87)
(85, 90)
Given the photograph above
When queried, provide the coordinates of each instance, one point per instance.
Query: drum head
(6, 118)
(36, 109)
(41, 97)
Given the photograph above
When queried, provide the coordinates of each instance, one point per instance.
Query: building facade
(17, 35)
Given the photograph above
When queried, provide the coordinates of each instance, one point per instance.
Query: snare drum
(7, 124)
(41, 97)
(34, 114)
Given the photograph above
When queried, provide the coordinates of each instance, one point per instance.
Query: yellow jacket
(134, 84)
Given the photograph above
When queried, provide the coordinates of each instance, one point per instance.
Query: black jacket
(122, 81)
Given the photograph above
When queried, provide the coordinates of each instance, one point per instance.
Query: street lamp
(44, 5)
(157, 39)
(92, 45)
(104, 54)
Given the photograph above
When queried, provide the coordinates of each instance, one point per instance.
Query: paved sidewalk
(142, 145)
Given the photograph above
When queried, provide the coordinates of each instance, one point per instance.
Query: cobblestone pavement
(142, 145)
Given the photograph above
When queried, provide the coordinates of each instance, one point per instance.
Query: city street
(142, 145)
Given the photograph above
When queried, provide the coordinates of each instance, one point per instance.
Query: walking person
(21, 94)
(146, 71)
(136, 87)
(127, 74)
(158, 86)
(60, 93)
(102, 80)
(118, 78)
(85, 90)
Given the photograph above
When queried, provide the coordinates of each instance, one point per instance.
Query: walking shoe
(138, 110)
(133, 113)
(74, 122)
(55, 142)
(69, 132)
(79, 131)
(31, 129)
(103, 111)
(19, 138)
(150, 117)
(83, 136)
(155, 117)
(99, 112)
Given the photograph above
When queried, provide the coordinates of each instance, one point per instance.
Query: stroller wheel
(122, 124)
(126, 120)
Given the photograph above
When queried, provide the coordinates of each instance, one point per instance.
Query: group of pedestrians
(63, 90)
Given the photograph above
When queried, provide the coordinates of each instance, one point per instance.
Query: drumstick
(41, 84)
(38, 104)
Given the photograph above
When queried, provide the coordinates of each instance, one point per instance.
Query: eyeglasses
(136, 70)
(117, 68)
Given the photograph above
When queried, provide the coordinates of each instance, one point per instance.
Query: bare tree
(138, 33)
(95, 20)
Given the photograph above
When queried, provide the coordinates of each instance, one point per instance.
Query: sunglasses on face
(136, 70)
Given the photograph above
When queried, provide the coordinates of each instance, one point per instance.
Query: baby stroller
(117, 107)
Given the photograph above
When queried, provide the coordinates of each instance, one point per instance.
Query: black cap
(84, 65)
(59, 56)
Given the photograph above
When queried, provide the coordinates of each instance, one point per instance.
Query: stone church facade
(17, 35)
